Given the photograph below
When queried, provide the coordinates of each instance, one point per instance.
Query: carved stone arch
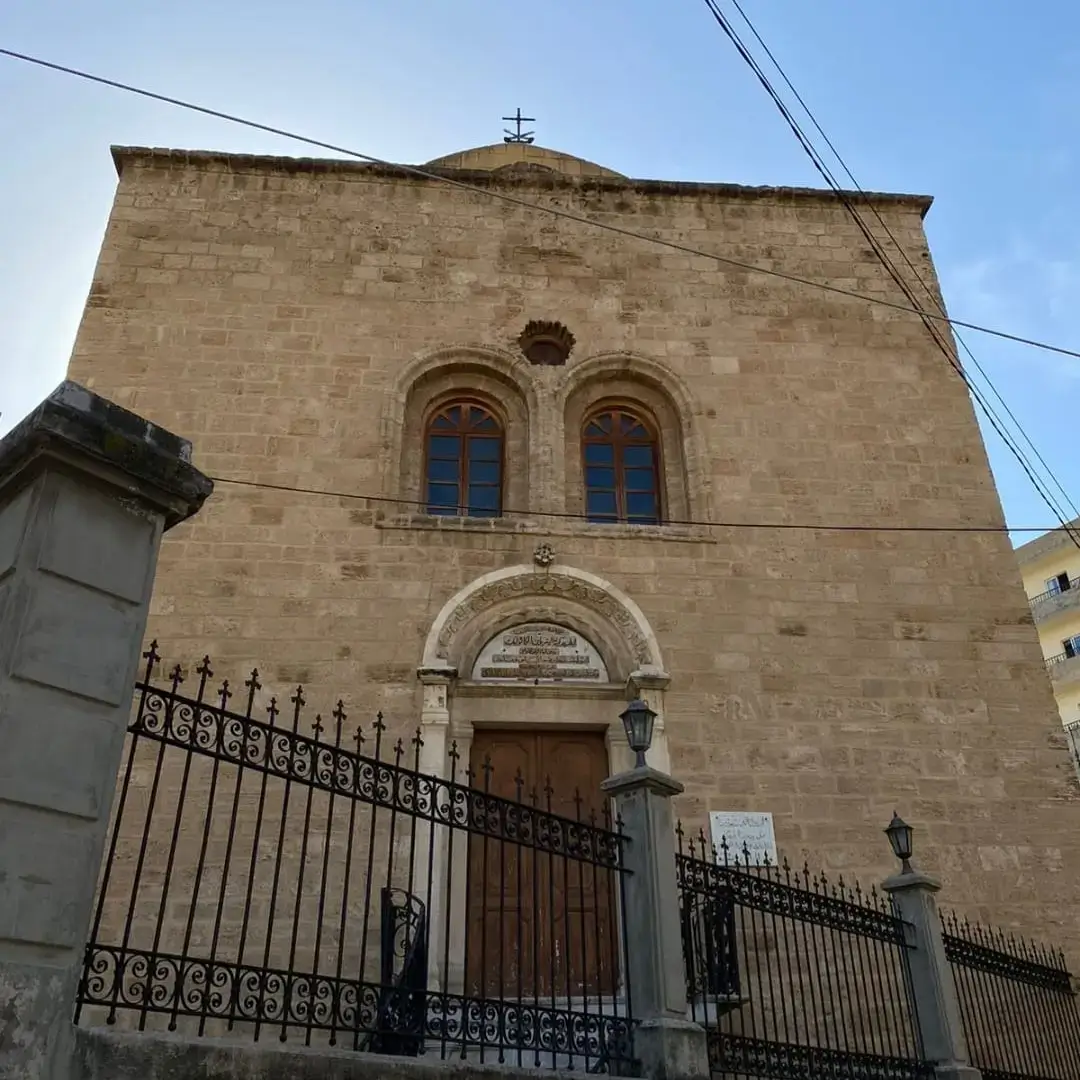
(480, 372)
(613, 647)
(662, 394)
(564, 594)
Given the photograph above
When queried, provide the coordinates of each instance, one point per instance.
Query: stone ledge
(102, 1054)
(73, 425)
(540, 527)
(161, 157)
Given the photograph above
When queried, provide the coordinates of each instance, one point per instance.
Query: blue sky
(972, 101)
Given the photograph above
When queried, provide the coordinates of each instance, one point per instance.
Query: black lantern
(900, 835)
(638, 721)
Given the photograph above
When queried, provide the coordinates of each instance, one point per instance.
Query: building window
(1058, 584)
(1071, 646)
(464, 461)
(622, 474)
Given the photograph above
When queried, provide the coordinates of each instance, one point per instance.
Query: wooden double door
(540, 922)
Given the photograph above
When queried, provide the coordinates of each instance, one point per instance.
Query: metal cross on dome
(519, 136)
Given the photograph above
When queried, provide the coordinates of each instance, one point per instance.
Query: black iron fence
(1017, 1004)
(283, 876)
(303, 880)
(791, 974)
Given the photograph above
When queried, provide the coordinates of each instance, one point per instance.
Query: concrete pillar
(932, 985)
(668, 1046)
(86, 491)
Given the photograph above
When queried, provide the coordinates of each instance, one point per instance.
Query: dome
(522, 156)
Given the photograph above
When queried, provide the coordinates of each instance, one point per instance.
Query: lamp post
(900, 835)
(667, 1045)
(638, 720)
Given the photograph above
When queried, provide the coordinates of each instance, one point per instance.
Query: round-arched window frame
(463, 460)
(621, 463)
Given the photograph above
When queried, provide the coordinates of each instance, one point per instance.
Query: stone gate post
(669, 1046)
(86, 491)
(932, 987)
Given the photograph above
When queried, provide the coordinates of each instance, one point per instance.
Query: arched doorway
(525, 674)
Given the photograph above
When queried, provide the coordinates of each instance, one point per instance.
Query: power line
(942, 344)
(420, 506)
(934, 298)
(672, 245)
(553, 211)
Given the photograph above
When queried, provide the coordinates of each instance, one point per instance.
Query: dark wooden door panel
(539, 923)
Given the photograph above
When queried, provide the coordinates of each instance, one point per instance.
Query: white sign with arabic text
(748, 836)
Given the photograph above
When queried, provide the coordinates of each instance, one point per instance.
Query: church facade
(491, 472)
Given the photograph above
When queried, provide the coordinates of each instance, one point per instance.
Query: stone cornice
(163, 158)
(1046, 544)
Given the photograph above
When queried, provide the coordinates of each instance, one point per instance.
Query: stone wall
(107, 1055)
(293, 317)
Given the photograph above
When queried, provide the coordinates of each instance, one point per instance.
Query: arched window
(463, 461)
(622, 475)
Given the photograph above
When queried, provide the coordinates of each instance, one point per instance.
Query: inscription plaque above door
(539, 652)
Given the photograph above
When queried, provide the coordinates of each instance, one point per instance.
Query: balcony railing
(1072, 733)
(1073, 584)
(1063, 669)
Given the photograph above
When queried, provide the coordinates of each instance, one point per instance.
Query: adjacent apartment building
(1050, 565)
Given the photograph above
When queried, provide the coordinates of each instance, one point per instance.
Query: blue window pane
(639, 480)
(600, 502)
(444, 446)
(481, 421)
(483, 498)
(484, 449)
(444, 422)
(639, 456)
(486, 472)
(443, 470)
(443, 495)
(599, 454)
(640, 505)
(596, 477)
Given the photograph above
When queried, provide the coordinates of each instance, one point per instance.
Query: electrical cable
(934, 298)
(567, 215)
(419, 506)
(878, 250)
(538, 207)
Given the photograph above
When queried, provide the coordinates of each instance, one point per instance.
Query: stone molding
(524, 583)
(75, 428)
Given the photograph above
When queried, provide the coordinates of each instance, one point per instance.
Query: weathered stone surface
(113, 1055)
(73, 420)
(296, 319)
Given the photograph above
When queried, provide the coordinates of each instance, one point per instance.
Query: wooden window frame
(462, 509)
(645, 420)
